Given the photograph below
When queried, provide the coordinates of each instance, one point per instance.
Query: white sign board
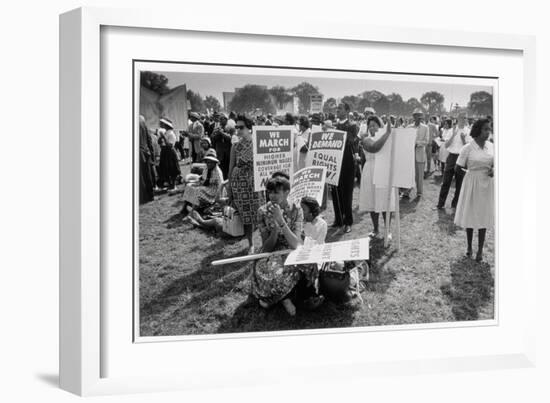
(354, 249)
(326, 148)
(272, 148)
(308, 181)
(316, 103)
(403, 169)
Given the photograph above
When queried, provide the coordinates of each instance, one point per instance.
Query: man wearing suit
(196, 133)
(342, 195)
(422, 140)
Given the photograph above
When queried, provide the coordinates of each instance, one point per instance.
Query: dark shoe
(479, 257)
(347, 229)
(469, 253)
(335, 225)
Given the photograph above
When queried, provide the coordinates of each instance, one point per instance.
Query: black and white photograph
(271, 199)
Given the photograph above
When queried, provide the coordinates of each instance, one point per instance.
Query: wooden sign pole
(390, 187)
(249, 257)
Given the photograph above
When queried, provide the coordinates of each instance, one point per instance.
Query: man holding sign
(342, 195)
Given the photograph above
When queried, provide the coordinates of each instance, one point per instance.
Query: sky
(214, 84)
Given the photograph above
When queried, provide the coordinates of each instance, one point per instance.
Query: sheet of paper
(354, 249)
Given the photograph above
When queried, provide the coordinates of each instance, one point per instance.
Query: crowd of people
(460, 148)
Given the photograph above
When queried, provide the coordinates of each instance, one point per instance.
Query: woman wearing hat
(205, 146)
(240, 188)
(374, 199)
(169, 167)
(204, 194)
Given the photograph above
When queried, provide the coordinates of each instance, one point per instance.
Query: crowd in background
(458, 147)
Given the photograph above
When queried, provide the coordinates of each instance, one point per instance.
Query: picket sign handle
(247, 258)
(390, 187)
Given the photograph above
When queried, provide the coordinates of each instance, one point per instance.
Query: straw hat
(211, 156)
(167, 122)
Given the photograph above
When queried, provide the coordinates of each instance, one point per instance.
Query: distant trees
(330, 106)
(281, 95)
(250, 98)
(303, 91)
(433, 101)
(196, 103)
(411, 105)
(212, 103)
(155, 82)
(481, 103)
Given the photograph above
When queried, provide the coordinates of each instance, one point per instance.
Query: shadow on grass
(250, 317)
(471, 287)
(445, 222)
(206, 282)
(381, 275)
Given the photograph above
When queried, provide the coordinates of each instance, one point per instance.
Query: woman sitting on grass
(280, 225)
(204, 195)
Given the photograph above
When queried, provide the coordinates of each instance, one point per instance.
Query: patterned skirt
(200, 196)
(245, 199)
(271, 281)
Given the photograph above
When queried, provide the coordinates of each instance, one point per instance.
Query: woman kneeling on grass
(475, 208)
(205, 194)
(280, 225)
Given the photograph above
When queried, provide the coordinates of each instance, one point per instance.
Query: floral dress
(271, 281)
(205, 195)
(245, 199)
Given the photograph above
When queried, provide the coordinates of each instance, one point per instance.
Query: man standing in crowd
(342, 195)
(146, 163)
(422, 140)
(459, 137)
(196, 133)
(221, 142)
(434, 132)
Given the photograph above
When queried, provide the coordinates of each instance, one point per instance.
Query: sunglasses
(239, 127)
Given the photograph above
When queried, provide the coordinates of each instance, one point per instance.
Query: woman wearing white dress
(475, 208)
(374, 199)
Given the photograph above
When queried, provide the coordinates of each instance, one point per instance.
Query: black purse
(334, 281)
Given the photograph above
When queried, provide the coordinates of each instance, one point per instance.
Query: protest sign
(354, 249)
(272, 147)
(326, 148)
(403, 167)
(316, 103)
(308, 181)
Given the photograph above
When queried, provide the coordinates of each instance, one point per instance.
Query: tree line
(252, 98)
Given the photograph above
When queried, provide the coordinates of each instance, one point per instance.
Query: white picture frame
(83, 342)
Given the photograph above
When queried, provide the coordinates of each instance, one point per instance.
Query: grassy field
(429, 280)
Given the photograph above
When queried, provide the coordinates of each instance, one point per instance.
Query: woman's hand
(276, 213)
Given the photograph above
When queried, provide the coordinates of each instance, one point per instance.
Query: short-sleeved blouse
(476, 158)
(292, 214)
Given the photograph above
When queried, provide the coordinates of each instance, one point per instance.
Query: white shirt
(457, 143)
(315, 231)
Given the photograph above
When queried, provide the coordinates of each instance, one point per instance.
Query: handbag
(232, 223)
